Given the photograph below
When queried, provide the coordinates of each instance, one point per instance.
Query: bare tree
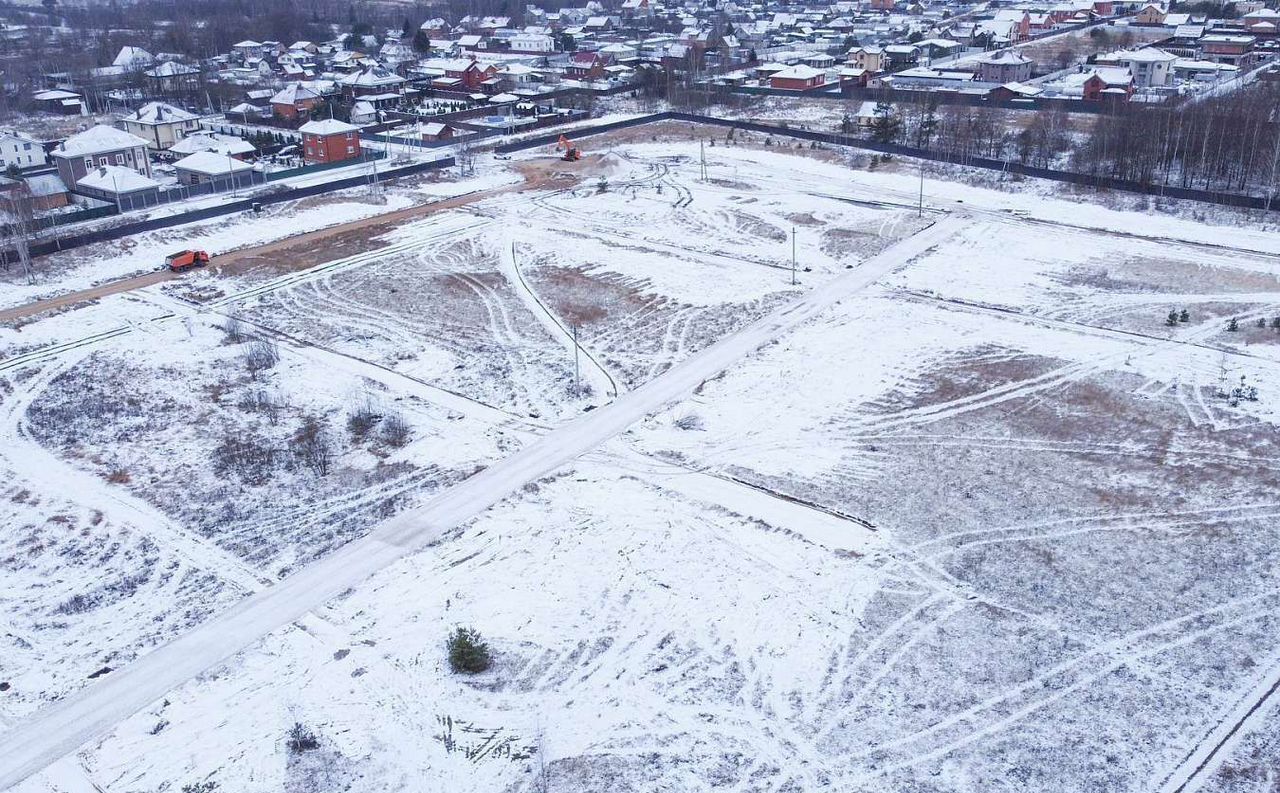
(312, 447)
(20, 228)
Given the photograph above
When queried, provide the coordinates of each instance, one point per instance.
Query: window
(351, 150)
(102, 160)
(26, 147)
(119, 159)
(88, 163)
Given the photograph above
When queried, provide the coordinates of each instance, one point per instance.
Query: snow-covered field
(990, 522)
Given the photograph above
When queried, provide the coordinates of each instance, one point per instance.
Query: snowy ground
(86, 267)
(988, 524)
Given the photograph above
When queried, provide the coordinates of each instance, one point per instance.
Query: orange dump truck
(185, 260)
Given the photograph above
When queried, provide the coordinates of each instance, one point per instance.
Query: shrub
(395, 430)
(362, 420)
(689, 421)
(261, 355)
(468, 652)
(233, 331)
(301, 739)
(311, 446)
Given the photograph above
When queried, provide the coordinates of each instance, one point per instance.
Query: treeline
(1228, 143)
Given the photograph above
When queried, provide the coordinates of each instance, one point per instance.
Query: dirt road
(314, 247)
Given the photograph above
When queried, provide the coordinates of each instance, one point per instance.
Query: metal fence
(283, 194)
(849, 141)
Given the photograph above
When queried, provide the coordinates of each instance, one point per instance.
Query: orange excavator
(571, 152)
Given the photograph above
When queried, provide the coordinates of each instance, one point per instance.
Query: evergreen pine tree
(468, 652)
(1233, 325)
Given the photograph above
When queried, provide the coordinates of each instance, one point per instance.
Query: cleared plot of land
(991, 525)
(153, 483)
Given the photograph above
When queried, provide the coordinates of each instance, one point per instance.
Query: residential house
(435, 130)
(172, 77)
(248, 50)
(870, 59)
(55, 100)
(18, 150)
(1151, 67)
(1004, 66)
(373, 80)
(329, 140)
(1238, 51)
(132, 59)
(798, 78)
(1014, 91)
(209, 167)
(1108, 83)
(294, 102)
(216, 142)
(161, 124)
(1150, 14)
(47, 191)
(119, 184)
(587, 66)
(902, 54)
(532, 42)
(99, 146)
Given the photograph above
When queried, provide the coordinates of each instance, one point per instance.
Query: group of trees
(1228, 143)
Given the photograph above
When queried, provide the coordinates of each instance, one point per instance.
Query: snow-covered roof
(327, 126)
(1144, 55)
(1004, 58)
(1112, 75)
(373, 77)
(799, 72)
(211, 141)
(1022, 90)
(99, 138)
(160, 113)
(172, 69)
(116, 179)
(54, 95)
(212, 163)
(45, 184)
(292, 94)
(133, 56)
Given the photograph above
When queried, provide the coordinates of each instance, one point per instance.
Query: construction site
(755, 468)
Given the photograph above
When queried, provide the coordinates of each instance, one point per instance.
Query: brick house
(329, 140)
(1108, 84)
(1150, 14)
(295, 102)
(798, 78)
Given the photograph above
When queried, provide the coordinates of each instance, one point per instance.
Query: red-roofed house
(588, 65)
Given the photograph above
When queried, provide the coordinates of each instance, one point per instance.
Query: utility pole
(793, 255)
(920, 206)
(577, 388)
(702, 150)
